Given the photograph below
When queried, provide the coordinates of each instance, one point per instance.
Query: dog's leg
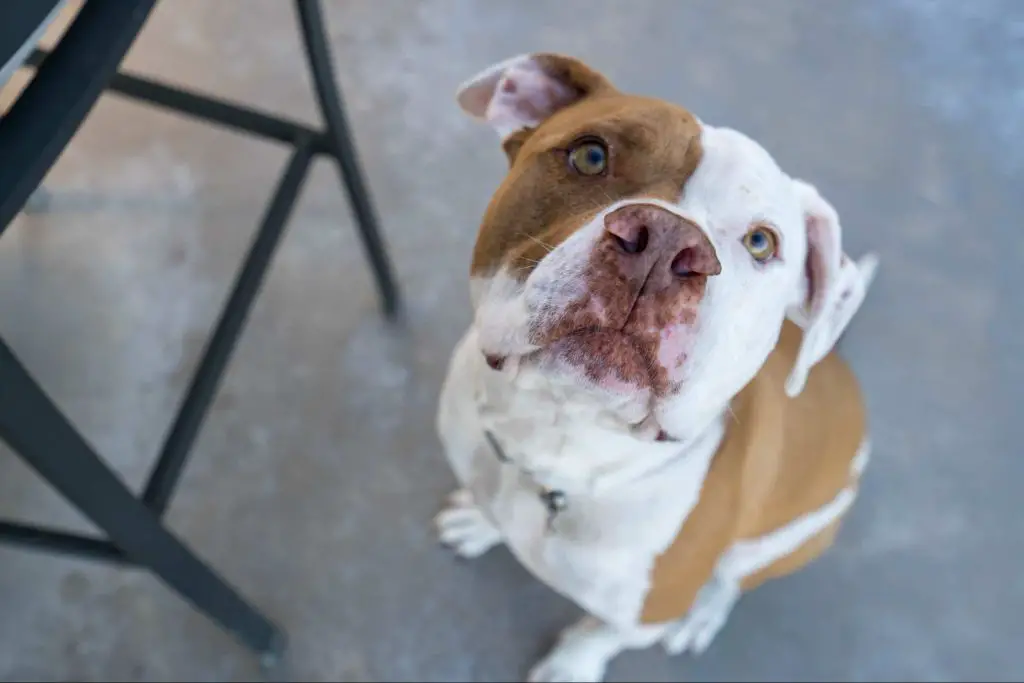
(463, 526)
(585, 649)
(719, 595)
(706, 617)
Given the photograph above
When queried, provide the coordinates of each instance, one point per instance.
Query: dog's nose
(648, 230)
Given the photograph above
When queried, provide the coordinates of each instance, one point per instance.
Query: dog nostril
(698, 259)
(681, 267)
(635, 243)
(686, 263)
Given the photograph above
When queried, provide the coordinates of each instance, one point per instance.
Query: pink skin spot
(672, 350)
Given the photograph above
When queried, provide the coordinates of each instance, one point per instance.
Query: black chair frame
(68, 81)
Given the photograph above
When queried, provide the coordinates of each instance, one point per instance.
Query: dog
(647, 408)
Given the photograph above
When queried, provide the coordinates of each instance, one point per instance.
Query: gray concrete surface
(313, 484)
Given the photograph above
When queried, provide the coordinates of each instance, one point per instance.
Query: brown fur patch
(604, 355)
(781, 458)
(654, 147)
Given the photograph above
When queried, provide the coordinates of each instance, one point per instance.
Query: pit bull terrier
(647, 408)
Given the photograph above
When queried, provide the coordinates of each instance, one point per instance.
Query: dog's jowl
(647, 408)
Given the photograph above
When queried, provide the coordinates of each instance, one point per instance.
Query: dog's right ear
(518, 94)
(833, 288)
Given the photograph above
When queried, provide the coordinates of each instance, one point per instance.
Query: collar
(554, 500)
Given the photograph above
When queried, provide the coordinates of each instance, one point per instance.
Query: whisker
(607, 196)
(530, 261)
(540, 242)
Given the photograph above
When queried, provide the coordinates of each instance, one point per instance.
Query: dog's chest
(598, 550)
(575, 550)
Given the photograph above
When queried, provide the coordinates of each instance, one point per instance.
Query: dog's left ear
(832, 288)
(517, 95)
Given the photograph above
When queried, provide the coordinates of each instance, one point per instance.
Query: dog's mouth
(609, 359)
(606, 360)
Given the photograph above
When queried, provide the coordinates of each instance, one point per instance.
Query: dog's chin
(606, 361)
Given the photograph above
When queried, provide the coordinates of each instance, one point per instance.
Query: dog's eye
(762, 244)
(589, 157)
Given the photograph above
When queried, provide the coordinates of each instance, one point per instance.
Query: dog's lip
(584, 330)
(649, 429)
(581, 334)
(497, 358)
(610, 358)
(607, 354)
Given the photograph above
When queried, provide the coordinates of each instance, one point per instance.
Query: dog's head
(641, 253)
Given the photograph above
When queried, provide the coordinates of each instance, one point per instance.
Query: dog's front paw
(581, 654)
(464, 528)
(569, 665)
(706, 618)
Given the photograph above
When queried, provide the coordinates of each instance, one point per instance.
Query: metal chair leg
(314, 40)
(38, 432)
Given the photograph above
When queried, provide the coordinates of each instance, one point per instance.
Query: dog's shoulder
(780, 458)
(746, 457)
(821, 432)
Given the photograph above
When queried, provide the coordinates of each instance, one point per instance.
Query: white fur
(601, 549)
(625, 507)
(628, 495)
(464, 527)
(585, 649)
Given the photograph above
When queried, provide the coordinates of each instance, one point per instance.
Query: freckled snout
(643, 285)
(662, 244)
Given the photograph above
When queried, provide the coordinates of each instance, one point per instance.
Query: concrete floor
(313, 483)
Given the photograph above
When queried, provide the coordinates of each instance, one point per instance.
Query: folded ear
(832, 289)
(519, 93)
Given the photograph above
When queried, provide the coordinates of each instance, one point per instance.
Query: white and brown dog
(647, 409)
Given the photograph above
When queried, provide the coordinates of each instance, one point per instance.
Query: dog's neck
(575, 441)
